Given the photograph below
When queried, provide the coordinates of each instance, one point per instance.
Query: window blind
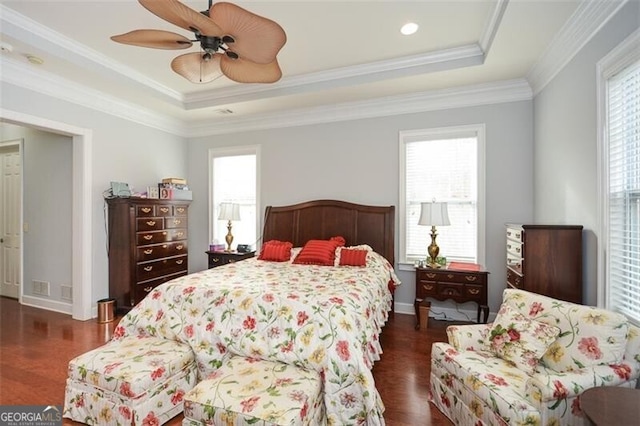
(444, 170)
(623, 215)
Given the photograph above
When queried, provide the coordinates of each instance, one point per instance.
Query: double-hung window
(233, 179)
(619, 107)
(443, 165)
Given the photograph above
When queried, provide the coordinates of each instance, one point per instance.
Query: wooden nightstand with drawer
(459, 285)
(219, 258)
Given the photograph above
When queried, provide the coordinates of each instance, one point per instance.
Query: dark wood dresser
(452, 284)
(545, 259)
(147, 246)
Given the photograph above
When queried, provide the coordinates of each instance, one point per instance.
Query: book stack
(174, 189)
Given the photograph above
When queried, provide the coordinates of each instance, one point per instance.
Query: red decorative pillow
(353, 257)
(276, 251)
(338, 239)
(317, 252)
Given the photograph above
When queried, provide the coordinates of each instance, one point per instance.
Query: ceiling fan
(233, 42)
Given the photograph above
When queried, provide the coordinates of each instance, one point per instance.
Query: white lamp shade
(434, 214)
(229, 211)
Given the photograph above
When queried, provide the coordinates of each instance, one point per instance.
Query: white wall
(357, 161)
(121, 151)
(565, 173)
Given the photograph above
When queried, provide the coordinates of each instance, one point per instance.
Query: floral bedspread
(319, 317)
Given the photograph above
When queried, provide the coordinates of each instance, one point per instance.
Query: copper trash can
(106, 310)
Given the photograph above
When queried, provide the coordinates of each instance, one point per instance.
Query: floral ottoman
(246, 391)
(131, 381)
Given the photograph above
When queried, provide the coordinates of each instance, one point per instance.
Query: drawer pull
(428, 287)
(148, 251)
(179, 234)
(179, 262)
(164, 246)
(474, 291)
(180, 247)
(215, 260)
(508, 233)
(145, 209)
(151, 222)
(147, 237)
(508, 246)
(471, 278)
(164, 233)
(180, 209)
(450, 276)
(177, 221)
(232, 261)
(450, 292)
(148, 268)
(148, 289)
(518, 250)
(164, 209)
(432, 276)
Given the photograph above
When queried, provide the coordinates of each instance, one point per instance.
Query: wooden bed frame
(323, 219)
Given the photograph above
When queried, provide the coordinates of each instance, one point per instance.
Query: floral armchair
(532, 363)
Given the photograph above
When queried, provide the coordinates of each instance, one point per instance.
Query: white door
(10, 212)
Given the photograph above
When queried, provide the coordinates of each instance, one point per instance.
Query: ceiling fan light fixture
(409, 28)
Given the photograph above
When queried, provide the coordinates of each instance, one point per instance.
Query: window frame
(622, 56)
(230, 152)
(408, 136)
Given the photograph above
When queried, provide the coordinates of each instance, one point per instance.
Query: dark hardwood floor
(36, 346)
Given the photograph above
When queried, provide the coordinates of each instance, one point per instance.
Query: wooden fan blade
(178, 14)
(195, 69)
(244, 71)
(257, 39)
(156, 39)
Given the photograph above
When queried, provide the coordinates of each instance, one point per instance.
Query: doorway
(82, 307)
(10, 214)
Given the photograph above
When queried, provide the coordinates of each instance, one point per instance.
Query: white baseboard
(49, 305)
(443, 312)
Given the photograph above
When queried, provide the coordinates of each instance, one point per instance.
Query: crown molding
(492, 25)
(441, 60)
(586, 21)
(467, 96)
(20, 74)
(21, 27)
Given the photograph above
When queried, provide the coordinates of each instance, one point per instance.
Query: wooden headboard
(322, 219)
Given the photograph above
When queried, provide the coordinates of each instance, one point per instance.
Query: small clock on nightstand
(219, 258)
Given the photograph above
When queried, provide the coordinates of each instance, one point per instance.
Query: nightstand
(459, 285)
(219, 258)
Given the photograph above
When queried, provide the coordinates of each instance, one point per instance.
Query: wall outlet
(40, 288)
(66, 292)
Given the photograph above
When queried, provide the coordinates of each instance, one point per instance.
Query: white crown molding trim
(21, 75)
(468, 96)
(21, 27)
(586, 21)
(457, 57)
(492, 25)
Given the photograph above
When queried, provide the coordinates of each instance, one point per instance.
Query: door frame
(18, 143)
(81, 241)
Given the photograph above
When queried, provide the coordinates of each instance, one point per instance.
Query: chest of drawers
(545, 259)
(147, 246)
(452, 284)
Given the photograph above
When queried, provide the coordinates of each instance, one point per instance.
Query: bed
(326, 318)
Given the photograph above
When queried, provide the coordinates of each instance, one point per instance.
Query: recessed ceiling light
(409, 28)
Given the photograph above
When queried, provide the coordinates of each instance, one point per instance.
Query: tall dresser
(546, 259)
(147, 246)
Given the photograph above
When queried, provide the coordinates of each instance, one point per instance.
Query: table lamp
(229, 212)
(433, 214)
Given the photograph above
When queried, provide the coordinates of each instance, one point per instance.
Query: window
(619, 102)
(233, 176)
(445, 165)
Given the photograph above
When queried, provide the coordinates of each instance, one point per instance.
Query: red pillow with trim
(353, 257)
(276, 251)
(317, 252)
